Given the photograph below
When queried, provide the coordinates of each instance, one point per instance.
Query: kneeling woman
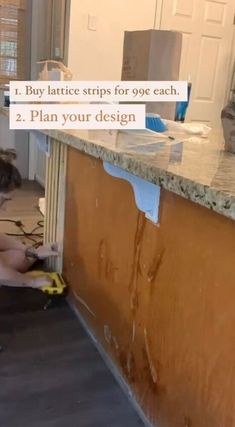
(15, 257)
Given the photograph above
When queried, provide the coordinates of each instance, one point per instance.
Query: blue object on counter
(181, 107)
(155, 123)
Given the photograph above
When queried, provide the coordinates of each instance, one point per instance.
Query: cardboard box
(153, 55)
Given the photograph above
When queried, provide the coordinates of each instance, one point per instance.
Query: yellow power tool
(58, 286)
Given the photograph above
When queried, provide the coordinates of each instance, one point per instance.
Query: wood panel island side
(158, 296)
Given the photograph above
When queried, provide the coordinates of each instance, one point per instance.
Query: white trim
(158, 14)
(40, 180)
(55, 192)
(61, 205)
(32, 158)
(231, 65)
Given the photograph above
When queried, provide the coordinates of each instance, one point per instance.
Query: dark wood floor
(50, 373)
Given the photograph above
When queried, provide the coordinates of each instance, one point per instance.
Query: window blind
(12, 40)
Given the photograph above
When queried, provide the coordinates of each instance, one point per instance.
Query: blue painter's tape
(147, 195)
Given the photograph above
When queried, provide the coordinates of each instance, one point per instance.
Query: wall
(92, 55)
(40, 49)
(95, 55)
(15, 139)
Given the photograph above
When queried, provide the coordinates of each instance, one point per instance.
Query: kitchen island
(148, 253)
(156, 287)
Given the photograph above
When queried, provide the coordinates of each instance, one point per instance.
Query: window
(12, 40)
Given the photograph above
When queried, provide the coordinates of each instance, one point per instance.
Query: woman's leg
(16, 260)
(9, 242)
(12, 278)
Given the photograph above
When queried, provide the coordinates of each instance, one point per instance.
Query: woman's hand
(46, 251)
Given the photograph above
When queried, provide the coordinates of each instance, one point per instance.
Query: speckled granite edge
(217, 201)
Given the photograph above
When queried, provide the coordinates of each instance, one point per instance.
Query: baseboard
(40, 180)
(111, 366)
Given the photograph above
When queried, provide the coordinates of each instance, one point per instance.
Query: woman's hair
(10, 177)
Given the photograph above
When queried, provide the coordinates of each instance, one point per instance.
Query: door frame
(158, 14)
(231, 66)
(34, 25)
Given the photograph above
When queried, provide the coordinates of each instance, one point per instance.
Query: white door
(207, 27)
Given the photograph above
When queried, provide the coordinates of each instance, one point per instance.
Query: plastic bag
(199, 129)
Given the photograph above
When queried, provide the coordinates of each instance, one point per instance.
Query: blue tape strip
(147, 195)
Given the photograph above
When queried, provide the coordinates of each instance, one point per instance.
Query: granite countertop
(196, 169)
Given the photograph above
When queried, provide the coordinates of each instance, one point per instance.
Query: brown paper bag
(153, 55)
